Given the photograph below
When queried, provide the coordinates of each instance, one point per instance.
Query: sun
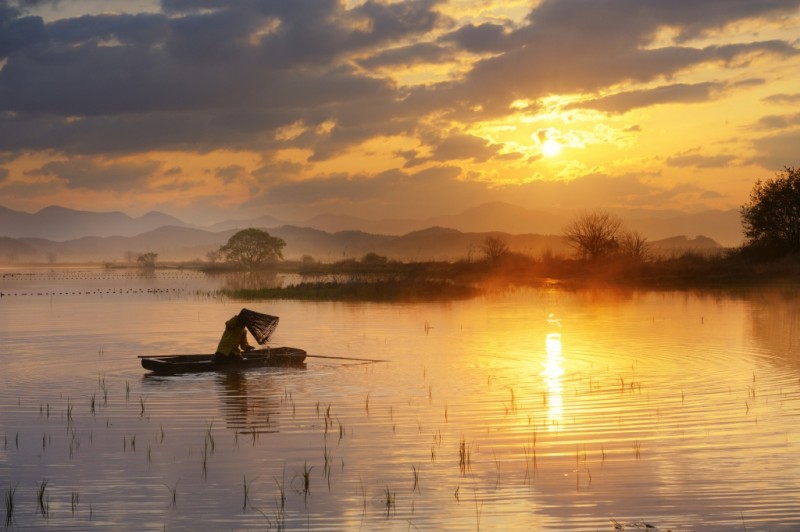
(551, 148)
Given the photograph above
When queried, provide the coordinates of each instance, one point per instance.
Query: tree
(634, 245)
(494, 247)
(771, 219)
(252, 248)
(373, 259)
(594, 234)
(147, 260)
(213, 256)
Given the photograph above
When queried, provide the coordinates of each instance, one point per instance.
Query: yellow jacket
(234, 339)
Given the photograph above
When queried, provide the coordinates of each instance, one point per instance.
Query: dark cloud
(571, 46)
(413, 54)
(231, 173)
(482, 38)
(681, 93)
(18, 32)
(460, 146)
(88, 173)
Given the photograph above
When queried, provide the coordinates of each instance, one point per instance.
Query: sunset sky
(211, 109)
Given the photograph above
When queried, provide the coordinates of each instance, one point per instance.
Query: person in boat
(233, 341)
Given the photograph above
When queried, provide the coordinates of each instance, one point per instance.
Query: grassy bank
(396, 281)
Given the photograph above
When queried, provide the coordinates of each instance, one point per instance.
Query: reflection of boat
(259, 358)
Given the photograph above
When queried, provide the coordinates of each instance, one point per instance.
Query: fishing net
(261, 326)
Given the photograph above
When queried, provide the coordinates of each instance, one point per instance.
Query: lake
(527, 409)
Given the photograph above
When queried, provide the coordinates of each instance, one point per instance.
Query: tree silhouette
(252, 248)
(594, 234)
(771, 219)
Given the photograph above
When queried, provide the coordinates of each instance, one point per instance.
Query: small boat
(258, 358)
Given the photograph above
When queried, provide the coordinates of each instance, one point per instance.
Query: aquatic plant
(9, 498)
(40, 497)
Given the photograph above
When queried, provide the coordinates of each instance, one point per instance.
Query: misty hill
(721, 226)
(185, 243)
(59, 223)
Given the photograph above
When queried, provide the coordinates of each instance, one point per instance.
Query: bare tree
(634, 245)
(594, 234)
(494, 247)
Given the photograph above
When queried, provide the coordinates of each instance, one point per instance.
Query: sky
(211, 110)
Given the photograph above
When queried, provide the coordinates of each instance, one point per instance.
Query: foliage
(147, 260)
(494, 247)
(771, 219)
(374, 259)
(252, 248)
(594, 234)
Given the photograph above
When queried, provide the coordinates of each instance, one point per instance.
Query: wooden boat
(258, 358)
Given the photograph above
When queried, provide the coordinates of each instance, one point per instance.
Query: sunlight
(552, 373)
(551, 148)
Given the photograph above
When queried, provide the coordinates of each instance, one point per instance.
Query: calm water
(533, 409)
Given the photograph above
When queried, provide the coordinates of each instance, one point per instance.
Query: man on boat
(233, 341)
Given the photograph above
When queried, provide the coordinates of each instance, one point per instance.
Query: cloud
(682, 93)
(777, 151)
(698, 160)
(773, 122)
(201, 76)
(90, 173)
(412, 54)
(783, 99)
(482, 38)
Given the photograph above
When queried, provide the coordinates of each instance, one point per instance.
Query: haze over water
(529, 409)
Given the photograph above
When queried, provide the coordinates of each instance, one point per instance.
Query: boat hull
(259, 358)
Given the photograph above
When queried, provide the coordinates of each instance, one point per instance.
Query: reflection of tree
(249, 404)
(251, 280)
(775, 322)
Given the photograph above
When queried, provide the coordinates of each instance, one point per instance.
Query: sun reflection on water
(552, 373)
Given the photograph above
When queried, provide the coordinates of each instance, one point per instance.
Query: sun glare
(551, 148)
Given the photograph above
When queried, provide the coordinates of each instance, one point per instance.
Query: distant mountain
(264, 222)
(183, 243)
(496, 216)
(59, 223)
(722, 226)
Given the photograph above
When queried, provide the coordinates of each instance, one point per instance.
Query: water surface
(531, 409)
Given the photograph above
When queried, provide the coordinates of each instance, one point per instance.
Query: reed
(40, 497)
(245, 493)
(173, 491)
(416, 478)
(141, 405)
(464, 457)
(305, 477)
(389, 499)
(205, 462)
(9, 498)
(75, 500)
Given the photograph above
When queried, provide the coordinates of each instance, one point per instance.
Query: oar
(349, 358)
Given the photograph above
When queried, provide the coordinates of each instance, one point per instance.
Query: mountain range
(61, 234)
